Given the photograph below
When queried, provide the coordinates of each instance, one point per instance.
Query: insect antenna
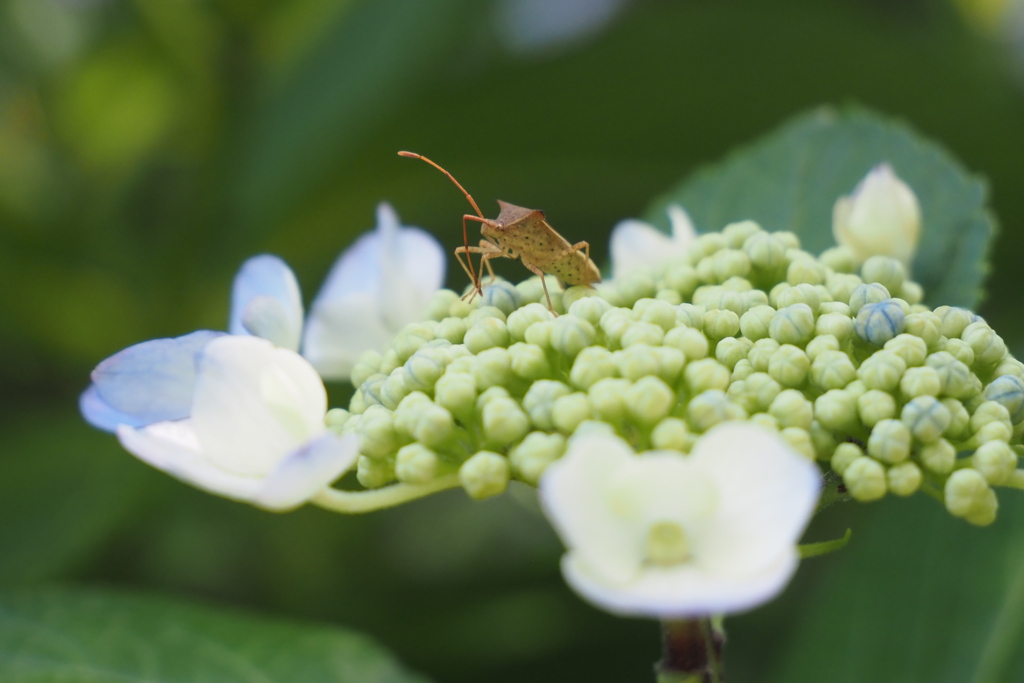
(465, 236)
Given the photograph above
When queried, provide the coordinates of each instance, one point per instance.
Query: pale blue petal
(267, 276)
(148, 382)
(266, 317)
(307, 470)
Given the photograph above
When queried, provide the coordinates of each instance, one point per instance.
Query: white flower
(672, 536)
(636, 244)
(255, 428)
(380, 284)
(881, 218)
(266, 302)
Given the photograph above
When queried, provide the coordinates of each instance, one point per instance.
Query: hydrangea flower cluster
(844, 363)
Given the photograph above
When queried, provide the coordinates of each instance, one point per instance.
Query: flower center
(666, 544)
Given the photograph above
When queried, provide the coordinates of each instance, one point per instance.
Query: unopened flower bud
(766, 252)
(736, 234)
(836, 325)
(841, 286)
(925, 326)
(682, 278)
(452, 329)
(988, 346)
(367, 364)
(889, 441)
(761, 354)
(1009, 391)
(635, 285)
(410, 339)
(533, 454)
(706, 374)
(806, 271)
(614, 324)
(690, 315)
(690, 341)
(590, 308)
(336, 418)
(882, 370)
(705, 245)
(440, 303)
(938, 456)
(904, 479)
(865, 479)
(742, 370)
(959, 349)
(672, 434)
(521, 319)
(926, 418)
(484, 475)
(374, 472)
(540, 399)
(635, 362)
(789, 366)
(1009, 366)
(719, 324)
(836, 410)
(874, 406)
(792, 325)
(844, 456)
(878, 323)
(710, 408)
(416, 464)
(953, 320)
(960, 419)
(377, 435)
(492, 367)
(657, 312)
(996, 461)
(648, 334)
(911, 349)
(485, 334)
(886, 271)
(456, 391)
(408, 412)
(504, 422)
(529, 361)
(881, 216)
(570, 335)
(800, 440)
(968, 494)
(865, 294)
(988, 412)
(840, 259)
(754, 323)
(649, 400)
(568, 412)
(832, 370)
(923, 381)
(732, 350)
(802, 293)
(792, 409)
(435, 426)
(593, 364)
(608, 398)
(955, 378)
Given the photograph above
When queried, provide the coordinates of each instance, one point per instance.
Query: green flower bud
(736, 234)
(722, 265)
(800, 440)
(424, 368)
(874, 406)
(389, 361)
(529, 361)
(988, 346)
(938, 456)
(366, 365)
(607, 398)
(704, 375)
(754, 323)
(960, 419)
(440, 303)
(532, 456)
(532, 291)
(882, 370)
(968, 495)
(504, 422)
(452, 329)
(705, 245)
(1009, 366)
(741, 370)
(371, 389)
(922, 381)
(521, 319)
(889, 441)
(456, 392)
(336, 418)
(993, 431)
(636, 361)
(823, 440)
(806, 271)
(1009, 391)
(569, 411)
(374, 472)
(635, 285)
(593, 364)
(502, 295)
(832, 370)
(802, 293)
(672, 434)
(377, 435)
(955, 378)
(840, 307)
(884, 270)
(996, 461)
(493, 367)
(988, 412)
(577, 293)
(953, 320)
(836, 325)
(762, 390)
(792, 325)
(690, 341)
(925, 326)
(485, 334)
(670, 362)
(765, 420)
(683, 279)
(912, 292)
(820, 343)
(649, 400)
(540, 399)
(719, 324)
(788, 366)
(911, 349)
(614, 324)
(655, 312)
(590, 308)
(356, 405)
(766, 252)
(732, 350)
(410, 339)
(647, 334)
(416, 464)
(856, 388)
(394, 389)
(435, 426)
(867, 293)
(792, 409)
(484, 475)
(904, 479)
(844, 456)
(761, 354)
(926, 418)
(407, 414)
(540, 333)
(841, 285)
(570, 335)
(710, 408)
(836, 410)
(880, 322)
(460, 309)
(690, 315)
(865, 479)
(789, 239)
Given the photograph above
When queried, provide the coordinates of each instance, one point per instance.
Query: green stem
(824, 547)
(356, 502)
(691, 652)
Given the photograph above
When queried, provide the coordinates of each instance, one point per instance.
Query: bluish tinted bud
(705, 375)
(953, 320)
(532, 456)
(1009, 391)
(889, 441)
(592, 365)
(485, 334)
(955, 378)
(761, 353)
(649, 400)
(788, 366)
(568, 412)
(884, 270)
(867, 293)
(690, 341)
(874, 406)
(792, 409)
(754, 323)
(880, 322)
(484, 475)
(911, 349)
(521, 319)
(792, 325)
(502, 295)
(865, 479)
(926, 418)
(540, 399)
(370, 390)
(529, 361)
(710, 408)
(988, 346)
(732, 350)
(832, 370)
(648, 334)
(836, 410)
(719, 324)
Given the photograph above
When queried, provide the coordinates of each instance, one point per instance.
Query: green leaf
(790, 179)
(86, 636)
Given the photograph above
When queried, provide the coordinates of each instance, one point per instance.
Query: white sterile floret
(384, 281)
(636, 244)
(673, 536)
(881, 217)
(255, 430)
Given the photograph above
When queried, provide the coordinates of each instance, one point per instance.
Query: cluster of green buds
(843, 360)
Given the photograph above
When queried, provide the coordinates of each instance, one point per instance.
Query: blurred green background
(147, 147)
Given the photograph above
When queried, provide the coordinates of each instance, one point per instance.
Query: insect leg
(543, 283)
(487, 251)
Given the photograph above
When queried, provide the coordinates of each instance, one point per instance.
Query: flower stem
(691, 652)
(356, 502)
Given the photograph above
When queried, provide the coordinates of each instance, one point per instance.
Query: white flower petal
(412, 268)
(682, 592)
(881, 217)
(307, 470)
(338, 331)
(262, 281)
(683, 230)
(174, 448)
(574, 492)
(636, 244)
